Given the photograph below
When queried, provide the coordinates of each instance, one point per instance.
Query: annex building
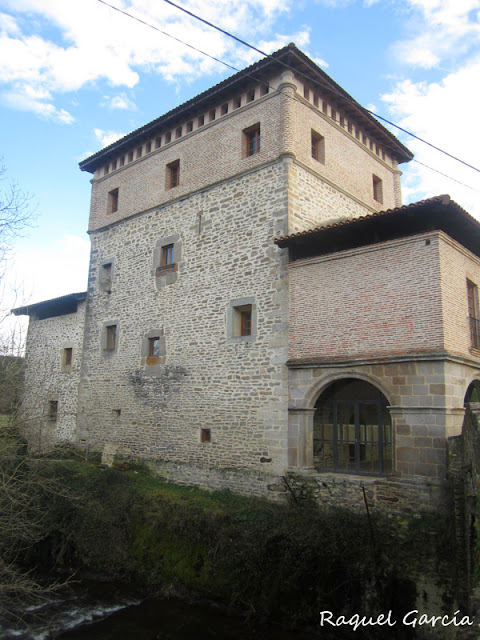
(261, 308)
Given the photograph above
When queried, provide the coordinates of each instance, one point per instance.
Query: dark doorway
(352, 429)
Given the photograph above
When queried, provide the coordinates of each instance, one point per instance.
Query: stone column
(300, 439)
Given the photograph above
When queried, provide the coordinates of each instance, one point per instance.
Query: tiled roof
(436, 213)
(295, 58)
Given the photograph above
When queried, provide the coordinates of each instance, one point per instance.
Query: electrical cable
(298, 72)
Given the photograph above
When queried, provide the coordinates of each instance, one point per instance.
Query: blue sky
(76, 75)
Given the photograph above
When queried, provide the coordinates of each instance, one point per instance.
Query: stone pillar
(300, 439)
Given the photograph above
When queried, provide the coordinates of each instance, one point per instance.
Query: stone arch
(472, 394)
(315, 391)
(352, 428)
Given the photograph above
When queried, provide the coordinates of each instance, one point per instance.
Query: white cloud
(440, 30)
(94, 42)
(121, 101)
(443, 113)
(107, 137)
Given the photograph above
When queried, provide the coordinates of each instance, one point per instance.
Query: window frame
(173, 174)
(473, 314)
(377, 189)
(242, 320)
(318, 147)
(112, 201)
(252, 140)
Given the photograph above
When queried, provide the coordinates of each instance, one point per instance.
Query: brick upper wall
(216, 152)
(378, 300)
(457, 265)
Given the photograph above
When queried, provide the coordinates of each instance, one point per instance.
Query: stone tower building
(224, 341)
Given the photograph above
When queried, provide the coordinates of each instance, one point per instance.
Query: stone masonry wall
(379, 300)
(47, 379)
(237, 388)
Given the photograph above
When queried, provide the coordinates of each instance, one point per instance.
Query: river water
(109, 613)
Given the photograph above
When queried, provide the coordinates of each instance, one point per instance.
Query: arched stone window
(352, 429)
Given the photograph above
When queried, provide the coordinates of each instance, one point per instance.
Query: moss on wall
(283, 561)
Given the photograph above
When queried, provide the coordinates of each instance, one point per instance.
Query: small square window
(205, 435)
(242, 321)
(252, 139)
(377, 189)
(318, 147)
(167, 255)
(111, 337)
(173, 174)
(53, 410)
(113, 201)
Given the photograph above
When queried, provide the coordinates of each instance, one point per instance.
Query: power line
(267, 55)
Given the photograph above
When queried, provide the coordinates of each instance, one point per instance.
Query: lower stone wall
(380, 494)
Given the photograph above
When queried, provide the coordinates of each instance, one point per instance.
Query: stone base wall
(392, 495)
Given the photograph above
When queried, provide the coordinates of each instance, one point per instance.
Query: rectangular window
(377, 189)
(237, 103)
(130, 156)
(201, 120)
(111, 337)
(205, 435)
(158, 142)
(251, 96)
(168, 137)
(153, 347)
(53, 410)
(122, 160)
(246, 322)
(190, 126)
(139, 152)
(167, 255)
(106, 277)
(252, 136)
(473, 314)
(211, 115)
(68, 353)
(225, 109)
(148, 147)
(242, 321)
(113, 201)
(178, 132)
(318, 147)
(173, 174)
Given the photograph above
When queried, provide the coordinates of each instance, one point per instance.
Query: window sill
(167, 268)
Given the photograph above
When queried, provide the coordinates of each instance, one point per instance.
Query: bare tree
(16, 214)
